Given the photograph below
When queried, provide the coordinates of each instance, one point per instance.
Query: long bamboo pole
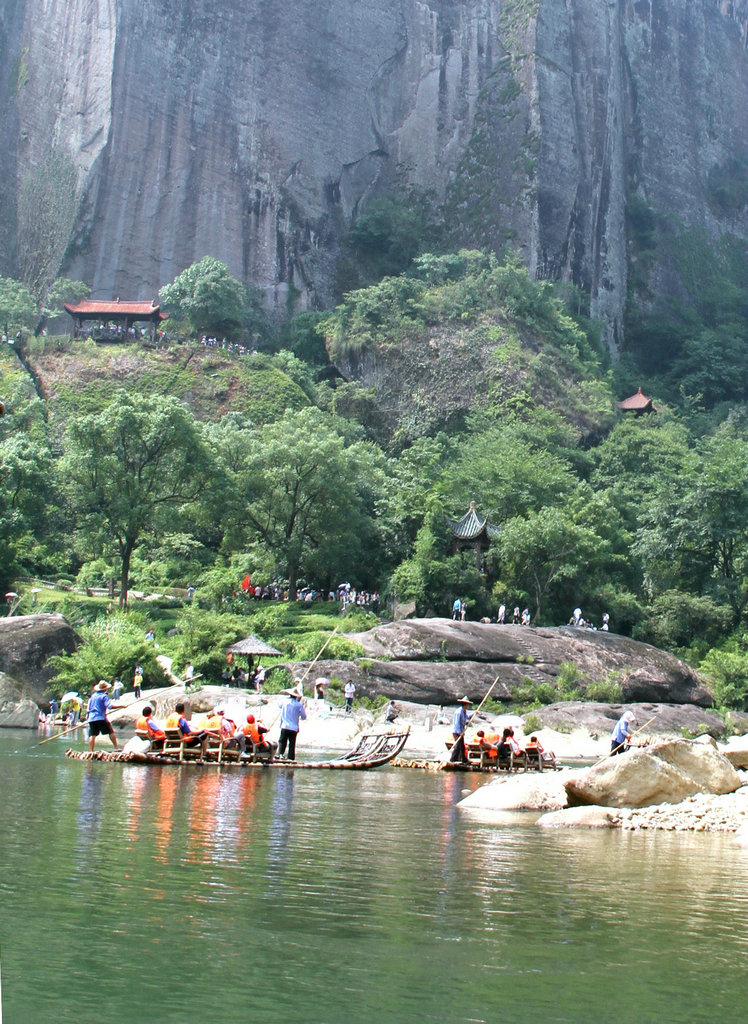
(302, 678)
(623, 743)
(119, 707)
(319, 653)
(455, 742)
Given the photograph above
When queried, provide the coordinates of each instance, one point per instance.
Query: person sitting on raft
(176, 720)
(536, 752)
(509, 745)
(488, 743)
(254, 732)
(620, 738)
(218, 725)
(146, 723)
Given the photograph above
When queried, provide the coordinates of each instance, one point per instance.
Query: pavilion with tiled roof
(472, 531)
(637, 403)
(123, 314)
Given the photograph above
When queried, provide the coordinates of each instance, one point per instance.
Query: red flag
(246, 582)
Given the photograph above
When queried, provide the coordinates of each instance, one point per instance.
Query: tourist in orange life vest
(254, 733)
(176, 720)
(219, 725)
(536, 752)
(489, 742)
(148, 724)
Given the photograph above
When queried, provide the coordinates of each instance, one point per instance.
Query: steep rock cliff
(256, 131)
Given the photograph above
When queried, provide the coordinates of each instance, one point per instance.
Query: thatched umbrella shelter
(251, 646)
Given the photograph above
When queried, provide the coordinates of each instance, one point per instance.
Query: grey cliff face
(256, 132)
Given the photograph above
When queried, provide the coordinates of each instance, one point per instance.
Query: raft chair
(174, 746)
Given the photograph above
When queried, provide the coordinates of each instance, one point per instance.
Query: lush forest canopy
(189, 464)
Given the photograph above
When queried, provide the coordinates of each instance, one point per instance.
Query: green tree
(300, 491)
(133, 470)
(540, 549)
(26, 475)
(694, 533)
(17, 306)
(61, 291)
(208, 296)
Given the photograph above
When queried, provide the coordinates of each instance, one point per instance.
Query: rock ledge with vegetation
(437, 661)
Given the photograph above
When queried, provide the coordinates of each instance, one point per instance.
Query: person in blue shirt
(620, 738)
(98, 723)
(460, 721)
(292, 712)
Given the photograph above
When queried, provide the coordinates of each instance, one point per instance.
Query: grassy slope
(83, 377)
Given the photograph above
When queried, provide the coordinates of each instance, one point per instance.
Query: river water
(173, 894)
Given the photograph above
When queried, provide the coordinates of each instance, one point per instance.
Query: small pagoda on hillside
(472, 532)
(122, 316)
(638, 404)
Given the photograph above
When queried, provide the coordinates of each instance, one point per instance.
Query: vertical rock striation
(255, 131)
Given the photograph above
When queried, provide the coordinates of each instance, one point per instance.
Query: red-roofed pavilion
(637, 403)
(123, 314)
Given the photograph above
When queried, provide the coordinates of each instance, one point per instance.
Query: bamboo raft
(373, 750)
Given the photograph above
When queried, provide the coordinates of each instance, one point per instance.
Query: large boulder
(26, 644)
(589, 816)
(16, 712)
(525, 791)
(437, 660)
(666, 772)
(736, 751)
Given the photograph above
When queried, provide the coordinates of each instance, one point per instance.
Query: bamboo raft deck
(373, 750)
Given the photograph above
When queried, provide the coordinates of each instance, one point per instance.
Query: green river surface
(228, 895)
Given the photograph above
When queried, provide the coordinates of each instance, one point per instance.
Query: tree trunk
(292, 576)
(127, 550)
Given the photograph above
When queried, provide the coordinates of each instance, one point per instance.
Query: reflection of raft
(372, 750)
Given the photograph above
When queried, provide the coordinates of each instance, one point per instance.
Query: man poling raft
(98, 723)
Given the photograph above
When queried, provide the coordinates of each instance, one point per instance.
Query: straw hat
(295, 691)
(102, 685)
(464, 700)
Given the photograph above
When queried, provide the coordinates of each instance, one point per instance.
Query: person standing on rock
(620, 738)
(349, 692)
(460, 721)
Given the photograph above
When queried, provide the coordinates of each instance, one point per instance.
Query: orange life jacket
(142, 724)
(153, 731)
(250, 729)
(172, 722)
(490, 738)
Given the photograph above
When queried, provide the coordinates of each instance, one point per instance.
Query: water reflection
(279, 832)
(349, 896)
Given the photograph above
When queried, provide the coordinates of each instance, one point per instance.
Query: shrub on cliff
(111, 647)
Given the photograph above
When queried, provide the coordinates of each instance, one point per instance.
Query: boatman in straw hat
(460, 721)
(98, 723)
(292, 711)
(620, 738)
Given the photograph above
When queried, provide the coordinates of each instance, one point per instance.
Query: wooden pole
(610, 753)
(309, 668)
(455, 742)
(324, 645)
(118, 707)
